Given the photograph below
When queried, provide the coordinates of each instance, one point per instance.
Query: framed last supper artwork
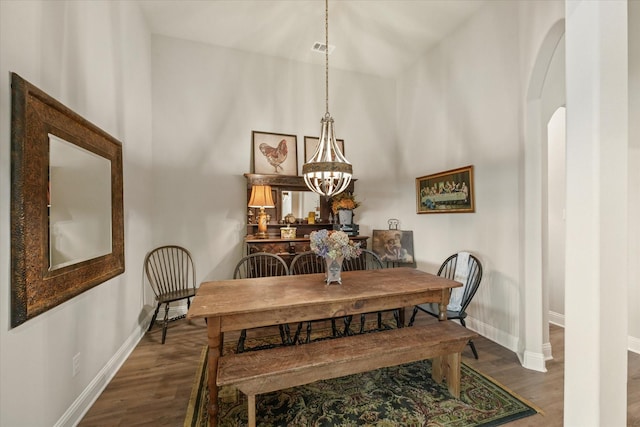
(446, 192)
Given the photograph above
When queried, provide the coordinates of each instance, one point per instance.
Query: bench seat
(279, 368)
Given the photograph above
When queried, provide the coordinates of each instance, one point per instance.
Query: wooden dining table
(233, 305)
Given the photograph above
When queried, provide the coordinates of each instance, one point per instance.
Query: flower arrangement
(344, 201)
(334, 244)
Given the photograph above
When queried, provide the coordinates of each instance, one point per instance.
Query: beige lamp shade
(261, 197)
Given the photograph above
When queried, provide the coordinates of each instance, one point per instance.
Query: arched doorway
(545, 94)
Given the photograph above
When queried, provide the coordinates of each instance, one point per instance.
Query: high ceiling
(379, 37)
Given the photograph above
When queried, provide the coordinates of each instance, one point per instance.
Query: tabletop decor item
(287, 232)
(334, 246)
(343, 205)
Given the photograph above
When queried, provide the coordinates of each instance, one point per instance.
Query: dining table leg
(215, 351)
(444, 302)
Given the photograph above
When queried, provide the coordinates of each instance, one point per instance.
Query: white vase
(345, 216)
(334, 268)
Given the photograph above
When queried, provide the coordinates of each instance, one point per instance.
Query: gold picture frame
(446, 192)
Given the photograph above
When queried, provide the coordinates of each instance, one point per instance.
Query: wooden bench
(279, 368)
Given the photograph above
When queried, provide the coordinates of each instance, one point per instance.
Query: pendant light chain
(326, 55)
(328, 172)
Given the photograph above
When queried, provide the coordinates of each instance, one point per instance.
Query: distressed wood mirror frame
(35, 288)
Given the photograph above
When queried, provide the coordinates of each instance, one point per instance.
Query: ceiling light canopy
(328, 172)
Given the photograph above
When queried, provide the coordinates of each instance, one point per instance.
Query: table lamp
(261, 198)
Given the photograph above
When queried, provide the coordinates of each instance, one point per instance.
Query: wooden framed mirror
(67, 223)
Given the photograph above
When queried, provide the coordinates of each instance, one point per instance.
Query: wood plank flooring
(153, 386)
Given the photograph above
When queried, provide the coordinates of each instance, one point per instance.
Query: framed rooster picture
(275, 153)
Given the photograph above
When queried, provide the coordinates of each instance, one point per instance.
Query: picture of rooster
(275, 155)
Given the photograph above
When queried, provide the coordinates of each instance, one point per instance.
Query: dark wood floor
(153, 386)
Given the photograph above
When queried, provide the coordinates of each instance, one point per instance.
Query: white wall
(206, 102)
(95, 58)
(634, 176)
(458, 106)
(461, 104)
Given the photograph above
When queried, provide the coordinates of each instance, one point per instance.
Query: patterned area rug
(397, 396)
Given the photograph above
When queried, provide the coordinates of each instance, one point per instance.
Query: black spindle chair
(367, 260)
(309, 263)
(172, 276)
(470, 287)
(261, 264)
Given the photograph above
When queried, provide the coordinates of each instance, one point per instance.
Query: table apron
(293, 314)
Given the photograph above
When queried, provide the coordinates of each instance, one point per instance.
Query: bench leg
(252, 410)
(447, 367)
(453, 374)
(437, 372)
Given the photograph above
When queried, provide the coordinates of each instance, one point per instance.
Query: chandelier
(328, 172)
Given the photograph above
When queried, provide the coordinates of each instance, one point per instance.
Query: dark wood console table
(290, 247)
(287, 248)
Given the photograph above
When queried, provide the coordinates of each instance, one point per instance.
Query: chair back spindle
(170, 269)
(367, 260)
(307, 263)
(471, 285)
(474, 276)
(260, 264)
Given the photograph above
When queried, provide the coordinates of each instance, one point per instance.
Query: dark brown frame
(311, 142)
(379, 239)
(455, 205)
(34, 287)
(290, 165)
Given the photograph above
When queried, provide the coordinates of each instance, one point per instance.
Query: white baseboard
(534, 361)
(546, 351)
(634, 344)
(73, 415)
(529, 360)
(494, 334)
(556, 318)
(176, 309)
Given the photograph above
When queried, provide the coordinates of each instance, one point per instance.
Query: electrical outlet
(76, 364)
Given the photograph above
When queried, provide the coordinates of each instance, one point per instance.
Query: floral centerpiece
(334, 246)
